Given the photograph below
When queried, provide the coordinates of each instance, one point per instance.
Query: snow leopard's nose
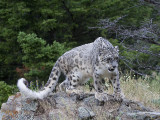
(112, 68)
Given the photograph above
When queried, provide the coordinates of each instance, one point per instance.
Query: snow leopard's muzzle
(112, 66)
(111, 69)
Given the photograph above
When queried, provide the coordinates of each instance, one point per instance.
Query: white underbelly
(103, 72)
(85, 76)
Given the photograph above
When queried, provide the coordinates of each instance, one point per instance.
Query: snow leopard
(97, 60)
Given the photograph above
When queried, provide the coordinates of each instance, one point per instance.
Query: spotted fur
(96, 60)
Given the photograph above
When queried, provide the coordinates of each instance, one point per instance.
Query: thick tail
(49, 87)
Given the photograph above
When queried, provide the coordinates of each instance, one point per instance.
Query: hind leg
(64, 85)
(74, 80)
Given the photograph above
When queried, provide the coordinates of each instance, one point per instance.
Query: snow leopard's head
(108, 57)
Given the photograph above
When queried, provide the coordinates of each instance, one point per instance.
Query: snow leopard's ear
(116, 48)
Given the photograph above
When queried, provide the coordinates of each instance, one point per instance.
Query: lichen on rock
(60, 106)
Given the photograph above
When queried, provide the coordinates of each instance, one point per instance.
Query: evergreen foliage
(39, 56)
(34, 33)
(5, 91)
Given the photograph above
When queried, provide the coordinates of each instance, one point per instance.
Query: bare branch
(148, 31)
(141, 51)
(143, 36)
(151, 2)
(125, 62)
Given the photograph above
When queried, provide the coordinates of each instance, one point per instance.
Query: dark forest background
(34, 33)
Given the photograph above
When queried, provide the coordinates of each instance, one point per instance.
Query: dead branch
(147, 34)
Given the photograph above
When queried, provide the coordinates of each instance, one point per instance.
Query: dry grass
(140, 90)
(144, 90)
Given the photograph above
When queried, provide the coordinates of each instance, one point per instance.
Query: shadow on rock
(60, 106)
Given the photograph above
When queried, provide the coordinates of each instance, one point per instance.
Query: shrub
(39, 56)
(5, 91)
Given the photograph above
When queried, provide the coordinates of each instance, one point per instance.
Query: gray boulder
(60, 106)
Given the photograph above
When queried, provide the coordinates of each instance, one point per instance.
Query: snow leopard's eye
(109, 59)
(116, 58)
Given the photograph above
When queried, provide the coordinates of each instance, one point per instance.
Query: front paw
(118, 97)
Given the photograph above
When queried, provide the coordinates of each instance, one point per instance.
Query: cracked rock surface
(61, 106)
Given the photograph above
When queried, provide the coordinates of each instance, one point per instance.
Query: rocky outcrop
(61, 106)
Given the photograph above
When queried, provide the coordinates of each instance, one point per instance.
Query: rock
(85, 113)
(60, 106)
(145, 115)
(1, 115)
